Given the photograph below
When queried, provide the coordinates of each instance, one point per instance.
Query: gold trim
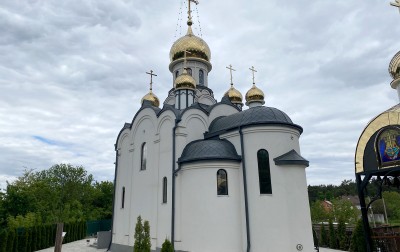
(389, 117)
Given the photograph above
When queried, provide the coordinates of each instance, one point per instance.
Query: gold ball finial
(254, 95)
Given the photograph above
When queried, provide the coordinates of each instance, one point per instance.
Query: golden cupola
(150, 96)
(233, 94)
(394, 70)
(254, 95)
(185, 81)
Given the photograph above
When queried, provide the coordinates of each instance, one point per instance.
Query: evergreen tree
(358, 242)
(3, 240)
(10, 240)
(146, 237)
(341, 234)
(137, 247)
(167, 246)
(332, 235)
(324, 237)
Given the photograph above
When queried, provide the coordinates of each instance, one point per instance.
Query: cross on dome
(254, 71)
(230, 70)
(396, 4)
(151, 78)
(190, 11)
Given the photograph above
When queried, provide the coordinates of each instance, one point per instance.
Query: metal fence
(92, 227)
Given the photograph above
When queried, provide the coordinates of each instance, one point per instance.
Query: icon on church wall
(388, 146)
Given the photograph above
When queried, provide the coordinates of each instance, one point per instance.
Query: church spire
(150, 96)
(255, 96)
(233, 94)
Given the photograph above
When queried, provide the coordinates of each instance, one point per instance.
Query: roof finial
(190, 22)
(230, 70)
(151, 79)
(396, 4)
(254, 71)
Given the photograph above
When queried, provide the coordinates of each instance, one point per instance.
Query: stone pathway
(81, 246)
(329, 250)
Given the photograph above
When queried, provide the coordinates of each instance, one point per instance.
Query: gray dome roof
(209, 150)
(251, 116)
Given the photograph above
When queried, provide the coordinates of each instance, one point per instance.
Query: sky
(73, 72)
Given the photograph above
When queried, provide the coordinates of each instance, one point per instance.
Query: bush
(167, 246)
(142, 236)
(324, 237)
(3, 240)
(341, 234)
(10, 240)
(332, 235)
(358, 242)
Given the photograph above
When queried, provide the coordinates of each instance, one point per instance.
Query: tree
(318, 213)
(137, 247)
(332, 235)
(324, 237)
(341, 234)
(146, 237)
(167, 246)
(358, 242)
(344, 209)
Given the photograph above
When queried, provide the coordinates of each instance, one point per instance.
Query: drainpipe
(173, 182)
(246, 204)
(113, 204)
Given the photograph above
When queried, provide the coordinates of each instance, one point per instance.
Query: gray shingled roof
(251, 116)
(291, 158)
(209, 150)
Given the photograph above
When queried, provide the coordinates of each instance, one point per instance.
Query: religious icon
(389, 146)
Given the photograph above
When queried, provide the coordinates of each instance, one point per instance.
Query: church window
(264, 173)
(176, 74)
(222, 182)
(123, 197)
(201, 77)
(189, 71)
(164, 199)
(143, 159)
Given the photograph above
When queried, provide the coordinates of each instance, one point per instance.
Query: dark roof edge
(238, 159)
(291, 158)
(208, 135)
(126, 126)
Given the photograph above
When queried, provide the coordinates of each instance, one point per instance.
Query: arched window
(176, 74)
(201, 77)
(264, 173)
(222, 182)
(123, 197)
(143, 157)
(164, 197)
(189, 71)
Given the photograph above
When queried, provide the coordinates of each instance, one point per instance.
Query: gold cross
(396, 4)
(184, 60)
(254, 71)
(190, 11)
(151, 79)
(230, 70)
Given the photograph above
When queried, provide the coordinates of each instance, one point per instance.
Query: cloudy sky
(72, 72)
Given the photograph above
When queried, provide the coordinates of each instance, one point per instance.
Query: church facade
(210, 176)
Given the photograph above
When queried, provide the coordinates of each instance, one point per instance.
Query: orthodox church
(210, 176)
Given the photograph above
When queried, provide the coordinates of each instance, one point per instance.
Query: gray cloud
(73, 72)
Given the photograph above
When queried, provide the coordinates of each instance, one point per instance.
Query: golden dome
(234, 95)
(196, 47)
(394, 70)
(185, 81)
(255, 95)
(151, 98)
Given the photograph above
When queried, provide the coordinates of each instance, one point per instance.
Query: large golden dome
(254, 95)
(185, 81)
(151, 97)
(394, 70)
(196, 47)
(234, 95)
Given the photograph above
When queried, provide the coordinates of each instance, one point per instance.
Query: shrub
(324, 237)
(3, 240)
(358, 242)
(146, 237)
(142, 236)
(167, 246)
(332, 235)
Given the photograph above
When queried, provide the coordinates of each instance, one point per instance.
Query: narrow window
(176, 74)
(189, 71)
(264, 173)
(222, 182)
(201, 77)
(143, 157)
(123, 197)
(164, 198)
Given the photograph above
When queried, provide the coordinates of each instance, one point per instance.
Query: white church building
(210, 176)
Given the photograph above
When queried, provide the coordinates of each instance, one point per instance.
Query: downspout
(113, 204)
(173, 182)
(246, 204)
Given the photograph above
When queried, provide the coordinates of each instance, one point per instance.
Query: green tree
(318, 213)
(341, 234)
(3, 240)
(167, 246)
(332, 235)
(324, 237)
(344, 209)
(358, 242)
(146, 237)
(139, 236)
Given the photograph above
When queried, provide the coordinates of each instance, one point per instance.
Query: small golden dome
(234, 95)
(185, 81)
(196, 47)
(151, 97)
(394, 66)
(255, 95)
